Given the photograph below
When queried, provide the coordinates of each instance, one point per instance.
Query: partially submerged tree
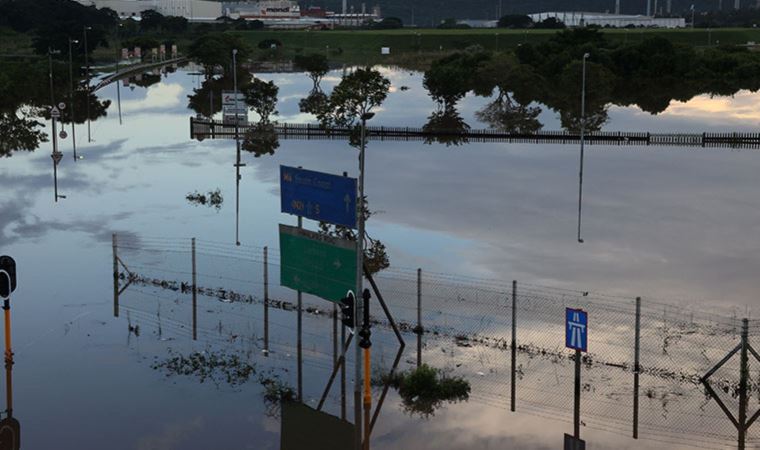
(351, 103)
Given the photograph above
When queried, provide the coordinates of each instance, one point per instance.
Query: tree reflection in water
(446, 126)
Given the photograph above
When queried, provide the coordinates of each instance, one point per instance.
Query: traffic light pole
(359, 289)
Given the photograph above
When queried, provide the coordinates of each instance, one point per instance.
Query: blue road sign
(576, 329)
(318, 196)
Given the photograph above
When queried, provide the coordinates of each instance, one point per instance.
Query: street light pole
(87, 67)
(583, 132)
(71, 99)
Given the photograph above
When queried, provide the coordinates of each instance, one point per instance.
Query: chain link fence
(465, 326)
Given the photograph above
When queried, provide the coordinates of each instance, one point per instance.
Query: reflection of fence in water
(467, 326)
(214, 129)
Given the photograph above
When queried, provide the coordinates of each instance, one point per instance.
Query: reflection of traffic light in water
(10, 428)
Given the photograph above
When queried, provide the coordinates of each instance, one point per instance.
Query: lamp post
(71, 99)
(87, 67)
(583, 132)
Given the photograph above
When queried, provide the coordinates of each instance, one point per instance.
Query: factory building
(580, 19)
(193, 10)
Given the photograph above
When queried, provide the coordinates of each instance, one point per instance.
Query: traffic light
(347, 310)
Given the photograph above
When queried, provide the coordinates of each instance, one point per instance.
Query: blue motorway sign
(576, 329)
(318, 196)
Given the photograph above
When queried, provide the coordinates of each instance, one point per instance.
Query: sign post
(318, 196)
(316, 264)
(234, 108)
(576, 338)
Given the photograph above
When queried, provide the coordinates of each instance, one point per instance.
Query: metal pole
(744, 374)
(359, 279)
(87, 67)
(115, 276)
(50, 76)
(513, 399)
(335, 334)
(266, 301)
(118, 88)
(577, 405)
(55, 161)
(71, 101)
(195, 296)
(300, 331)
(583, 130)
(636, 370)
(343, 376)
(419, 317)
(237, 145)
(8, 352)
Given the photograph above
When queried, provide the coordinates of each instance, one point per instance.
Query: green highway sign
(316, 264)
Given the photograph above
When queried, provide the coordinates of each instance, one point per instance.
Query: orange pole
(367, 374)
(367, 396)
(8, 353)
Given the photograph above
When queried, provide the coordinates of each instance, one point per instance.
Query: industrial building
(580, 19)
(193, 10)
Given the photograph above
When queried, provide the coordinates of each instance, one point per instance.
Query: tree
(215, 49)
(174, 24)
(151, 20)
(315, 63)
(357, 94)
(388, 23)
(261, 96)
(450, 78)
(515, 21)
(550, 23)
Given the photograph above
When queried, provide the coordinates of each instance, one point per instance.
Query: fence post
(419, 329)
(636, 369)
(115, 277)
(195, 295)
(266, 301)
(744, 373)
(512, 404)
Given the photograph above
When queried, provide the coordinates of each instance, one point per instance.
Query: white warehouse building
(579, 19)
(194, 10)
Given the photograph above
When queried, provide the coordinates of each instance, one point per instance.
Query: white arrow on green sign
(317, 264)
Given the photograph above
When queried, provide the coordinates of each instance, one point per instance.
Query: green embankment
(352, 45)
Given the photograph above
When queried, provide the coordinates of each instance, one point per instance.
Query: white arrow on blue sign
(576, 329)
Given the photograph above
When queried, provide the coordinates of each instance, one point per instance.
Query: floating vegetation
(425, 389)
(212, 199)
(219, 367)
(275, 392)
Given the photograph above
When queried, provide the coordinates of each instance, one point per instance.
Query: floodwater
(674, 224)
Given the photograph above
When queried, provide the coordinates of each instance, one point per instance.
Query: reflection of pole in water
(71, 100)
(300, 330)
(118, 88)
(266, 301)
(237, 144)
(583, 131)
(115, 276)
(87, 68)
(195, 295)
